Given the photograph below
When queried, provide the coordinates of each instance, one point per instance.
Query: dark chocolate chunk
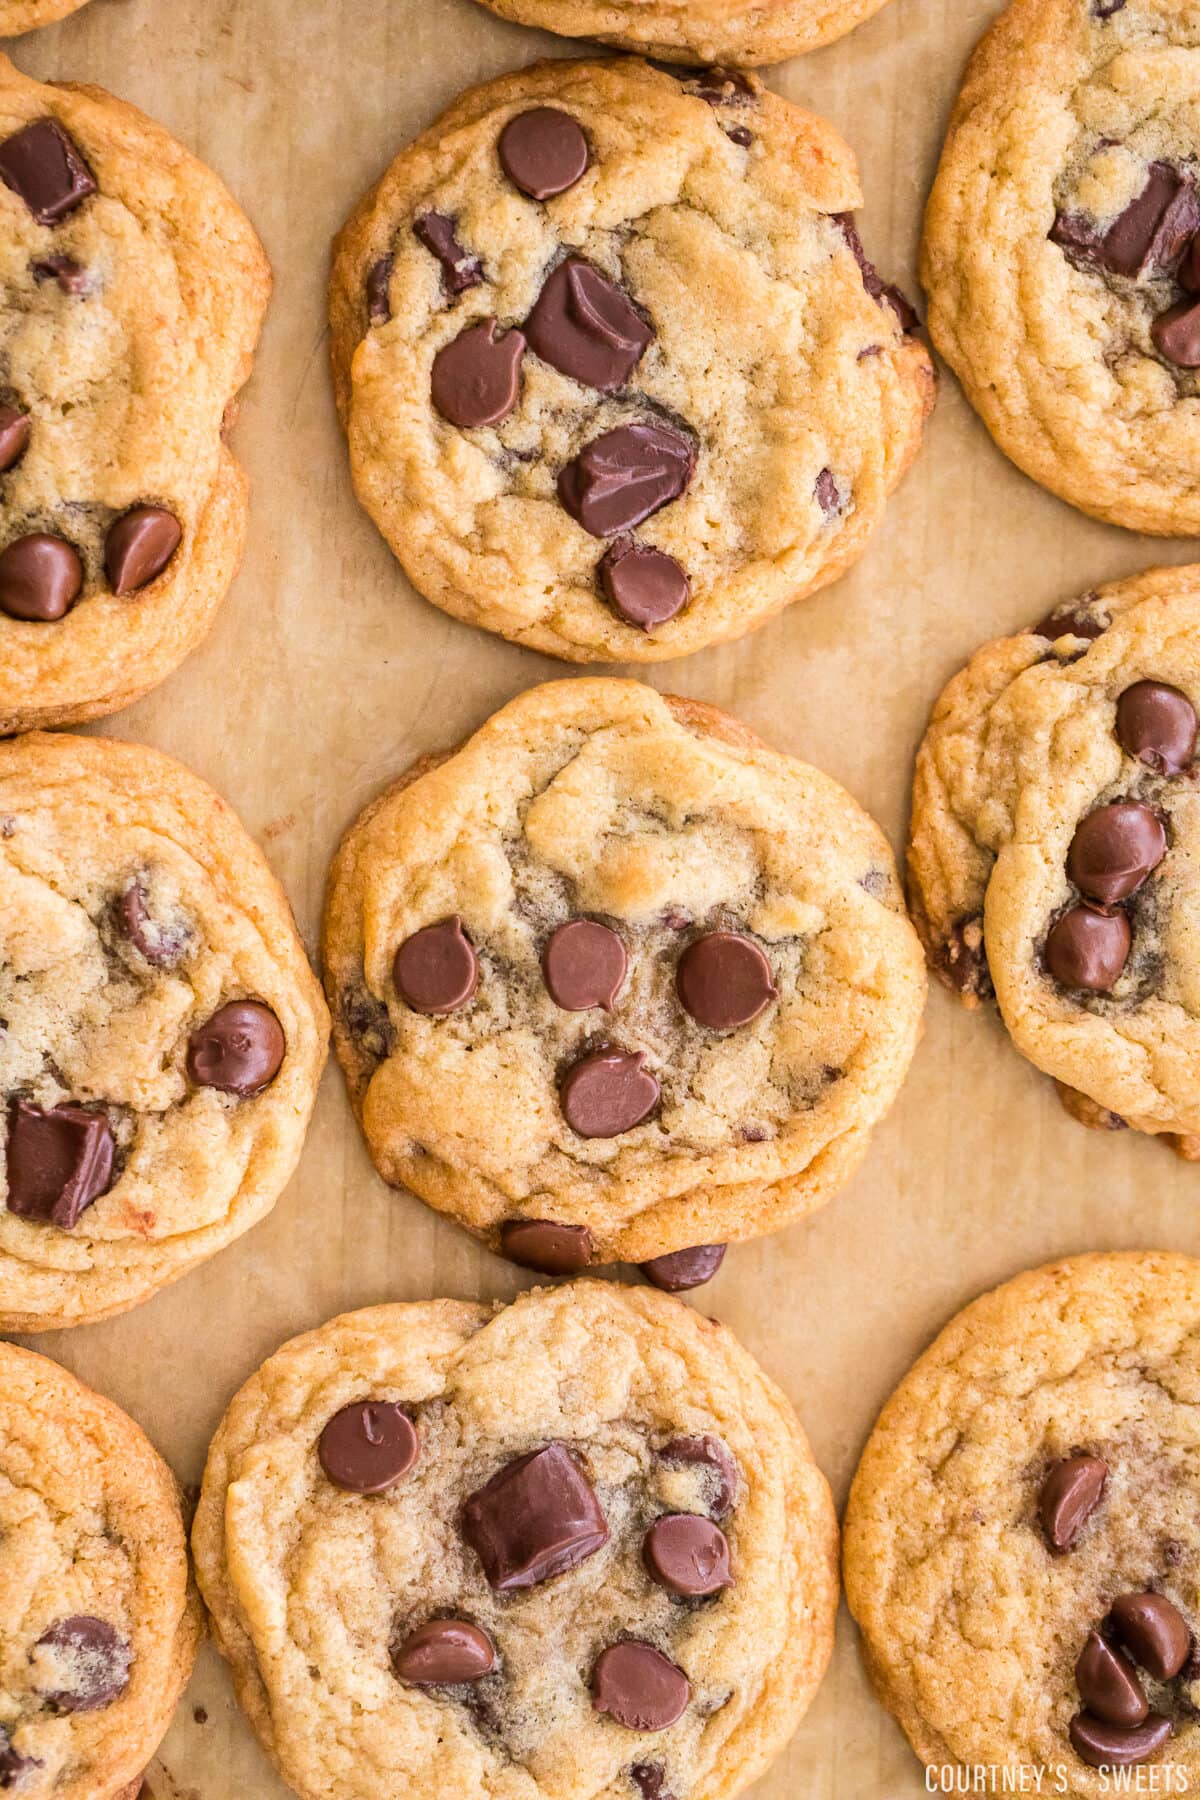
(624, 476)
(644, 586)
(41, 578)
(476, 378)
(58, 1162)
(44, 165)
(1176, 334)
(70, 275)
(368, 1446)
(607, 1093)
(584, 965)
(91, 1661)
(238, 1051)
(583, 326)
(1068, 621)
(13, 1766)
(543, 152)
(688, 1555)
(1150, 235)
(550, 1248)
(379, 286)
(681, 1270)
(884, 293)
(537, 1518)
(639, 1687)
(443, 1653)
(139, 546)
(438, 233)
(436, 969)
(961, 960)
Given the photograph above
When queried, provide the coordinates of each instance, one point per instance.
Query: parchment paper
(326, 674)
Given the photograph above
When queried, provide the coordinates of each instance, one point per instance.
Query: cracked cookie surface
(637, 1407)
(693, 273)
(743, 32)
(162, 1037)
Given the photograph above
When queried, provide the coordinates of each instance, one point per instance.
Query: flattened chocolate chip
(825, 493)
(161, 945)
(543, 152)
(1151, 233)
(1068, 621)
(91, 1661)
(639, 1687)
(1115, 849)
(70, 275)
(14, 437)
(436, 969)
(1157, 724)
(368, 1446)
(1154, 1632)
(238, 1051)
(645, 587)
(443, 1653)
(139, 546)
(624, 475)
(379, 290)
(45, 167)
(40, 578)
(687, 1554)
(724, 980)
(608, 1092)
(543, 1245)
(476, 378)
(681, 1270)
(59, 1162)
(1070, 1495)
(1088, 949)
(584, 327)
(537, 1518)
(1108, 1684)
(439, 234)
(13, 1766)
(1176, 334)
(1104, 1746)
(583, 965)
(711, 1454)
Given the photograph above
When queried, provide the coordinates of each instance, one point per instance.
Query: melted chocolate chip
(543, 1245)
(90, 1660)
(162, 946)
(368, 1446)
(238, 1051)
(624, 476)
(584, 965)
(961, 960)
(443, 1653)
(711, 1454)
(1087, 949)
(543, 152)
(1108, 1684)
(1069, 1496)
(14, 437)
(681, 1270)
(537, 1518)
(436, 969)
(476, 378)
(70, 275)
(584, 327)
(882, 292)
(1114, 851)
(438, 233)
(43, 164)
(723, 87)
(1157, 725)
(650, 1779)
(379, 290)
(1154, 1633)
(645, 587)
(1150, 234)
(1176, 334)
(688, 1555)
(607, 1093)
(59, 1162)
(1104, 1746)
(139, 546)
(1068, 621)
(724, 980)
(639, 1687)
(41, 578)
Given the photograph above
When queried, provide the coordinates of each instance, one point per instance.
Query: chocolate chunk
(680, 1270)
(687, 1554)
(70, 275)
(368, 1446)
(650, 1779)
(1150, 235)
(583, 965)
(162, 946)
(443, 1653)
(961, 961)
(238, 1051)
(724, 980)
(13, 1766)
(537, 1518)
(645, 587)
(639, 1687)
(543, 152)
(1068, 621)
(139, 546)
(1157, 724)
(59, 1162)
(89, 1659)
(379, 290)
(1108, 1684)
(40, 578)
(438, 233)
(436, 969)
(624, 475)
(825, 493)
(14, 436)
(1070, 1495)
(884, 293)
(549, 1248)
(476, 378)
(607, 1093)
(711, 1454)
(723, 87)
(1154, 1633)
(1176, 334)
(1188, 275)
(1104, 1746)
(584, 327)
(1087, 948)
(1115, 849)
(738, 134)
(45, 167)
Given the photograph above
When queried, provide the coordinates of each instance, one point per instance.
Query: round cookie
(17, 16)
(505, 1607)
(1021, 1551)
(743, 32)
(706, 1065)
(98, 1621)
(641, 413)
(1055, 851)
(1061, 258)
(163, 1033)
(135, 289)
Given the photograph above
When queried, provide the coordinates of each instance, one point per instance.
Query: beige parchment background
(326, 674)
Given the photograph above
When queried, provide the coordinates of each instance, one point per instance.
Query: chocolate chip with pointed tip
(681, 1270)
(368, 1446)
(544, 152)
(639, 1687)
(644, 586)
(476, 378)
(687, 1554)
(59, 1161)
(44, 165)
(41, 578)
(607, 1093)
(88, 1661)
(14, 436)
(436, 970)
(1104, 1746)
(238, 1051)
(1115, 850)
(439, 234)
(1108, 1684)
(585, 327)
(443, 1653)
(139, 546)
(584, 965)
(536, 1518)
(1157, 724)
(1070, 1494)
(1087, 948)
(724, 980)
(545, 1245)
(625, 475)
(1154, 1632)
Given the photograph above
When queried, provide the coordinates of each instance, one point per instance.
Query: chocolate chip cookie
(1055, 836)
(98, 1623)
(1021, 1550)
(161, 1033)
(572, 1547)
(134, 289)
(17, 16)
(615, 980)
(1062, 257)
(618, 377)
(744, 32)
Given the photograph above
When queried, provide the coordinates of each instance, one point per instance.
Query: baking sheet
(326, 674)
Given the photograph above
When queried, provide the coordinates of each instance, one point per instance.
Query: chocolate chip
(1104, 9)
(436, 969)
(1150, 234)
(737, 134)
(438, 233)
(59, 1162)
(368, 1446)
(624, 475)
(1188, 275)
(1068, 621)
(443, 1653)
(537, 1518)
(645, 587)
(711, 1454)
(162, 946)
(882, 292)
(583, 965)
(687, 1554)
(14, 436)
(1157, 724)
(607, 1093)
(1104, 1746)
(90, 1660)
(1087, 949)
(45, 167)
(139, 546)
(476, 378)
(40, 578)
(825, 493)
(238, 1051)
(639, 1687)
(723, 87)
(680, 1270)
(1108, 1684)
(584, 327)
(543, 1245)
(1176, 334)
(543, 152)
(70, 275)
(1069, 1496)
(650, 1779)
(1115, 849)
(961, 960)
(13, 1766)
(379, 290)
(1154, 1633)
(724, 980)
